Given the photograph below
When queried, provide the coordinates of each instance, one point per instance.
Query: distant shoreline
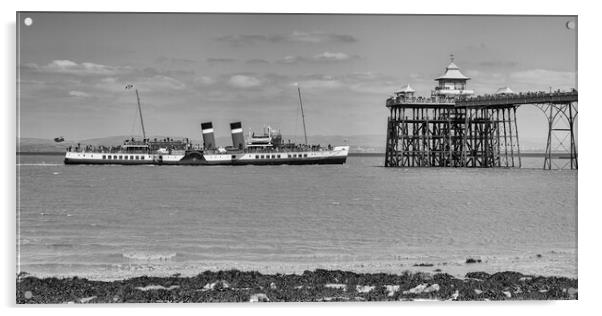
(351, 154)
(40, 153)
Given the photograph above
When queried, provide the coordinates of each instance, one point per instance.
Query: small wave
(61, 246)
(143, 256)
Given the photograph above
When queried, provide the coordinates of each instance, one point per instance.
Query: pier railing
(518, 98)
(401, 101)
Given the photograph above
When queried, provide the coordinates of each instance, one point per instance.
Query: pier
(453, 128)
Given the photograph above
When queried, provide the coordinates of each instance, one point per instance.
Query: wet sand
(310, 286)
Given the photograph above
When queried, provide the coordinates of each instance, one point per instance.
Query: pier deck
(476, 131)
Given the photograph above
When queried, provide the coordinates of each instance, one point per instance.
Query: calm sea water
(109, 222)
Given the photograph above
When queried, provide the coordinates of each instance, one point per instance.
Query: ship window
(261, 156)
(273, 156)
(109, 157)
(278, 156)
(120, 157)
(104, 156)
(256, 156)
(304, 155)
(114, 156)
(233, 156)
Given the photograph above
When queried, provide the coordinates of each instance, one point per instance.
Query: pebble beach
(310, 286)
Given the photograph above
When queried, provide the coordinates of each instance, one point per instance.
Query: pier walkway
(518, 99)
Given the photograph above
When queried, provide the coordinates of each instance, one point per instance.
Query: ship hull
(195, 158)
(300, 161)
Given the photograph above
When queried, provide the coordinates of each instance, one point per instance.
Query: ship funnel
(208, 138)
(238, 139)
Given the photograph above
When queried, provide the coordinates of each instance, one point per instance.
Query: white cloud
(85, 68)
(242, 81)
(62, 64)
(328, 56)
(325, 57)
(291, 60)
(78, 94)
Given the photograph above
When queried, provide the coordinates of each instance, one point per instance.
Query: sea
(114, 222)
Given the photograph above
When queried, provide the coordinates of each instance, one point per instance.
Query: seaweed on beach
(310, 286)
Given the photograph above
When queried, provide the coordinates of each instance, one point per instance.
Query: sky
(192, 68)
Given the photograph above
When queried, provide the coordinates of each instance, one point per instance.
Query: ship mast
(302, 115)
(141, 120)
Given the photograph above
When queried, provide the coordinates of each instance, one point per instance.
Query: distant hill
(358, 143)
(40, 145)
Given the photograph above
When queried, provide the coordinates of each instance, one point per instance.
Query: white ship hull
(338, 155)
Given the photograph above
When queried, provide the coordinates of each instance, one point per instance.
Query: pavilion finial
(451, 57)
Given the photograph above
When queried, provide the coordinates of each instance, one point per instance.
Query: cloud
(257, 61)
(325, 57)
(294, 37)
(291, 60)
(318, 37)
(204, 80)
(243, 39)
(74, 68)
(215, 60)
(328, 56)
(318, 81)
(244, 81)
(78, 94)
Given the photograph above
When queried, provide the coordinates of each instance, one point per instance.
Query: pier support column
(561, 149)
